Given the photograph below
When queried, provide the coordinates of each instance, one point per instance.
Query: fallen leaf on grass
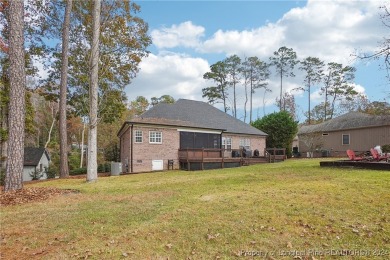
(41, 251)
(32, 194)
(169, 246)
(211, 237)
(289, 245)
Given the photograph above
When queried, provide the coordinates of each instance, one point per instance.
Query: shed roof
(32, 155)
(351, 120)
(199, 114)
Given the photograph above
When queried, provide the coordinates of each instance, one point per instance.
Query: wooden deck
(384, 166)
(204, 159)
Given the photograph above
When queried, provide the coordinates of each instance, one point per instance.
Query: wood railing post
(202, 159)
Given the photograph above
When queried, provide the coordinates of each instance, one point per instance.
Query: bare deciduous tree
(93, 94)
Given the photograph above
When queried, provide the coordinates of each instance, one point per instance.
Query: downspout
(131, 148)
(220, 145)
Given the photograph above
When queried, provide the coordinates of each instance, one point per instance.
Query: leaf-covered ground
(29, 195)
(272, 211)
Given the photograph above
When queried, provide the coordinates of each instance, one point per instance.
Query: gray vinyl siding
(361, 139)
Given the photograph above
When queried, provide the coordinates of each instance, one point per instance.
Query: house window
(138, 136)
(346, 140)
(246, 142)
(227, 143)
(155, 137)
(325, 134)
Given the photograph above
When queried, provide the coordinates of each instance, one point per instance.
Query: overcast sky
(189, 36)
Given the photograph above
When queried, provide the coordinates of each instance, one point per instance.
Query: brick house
(149, 141)
(354, 130)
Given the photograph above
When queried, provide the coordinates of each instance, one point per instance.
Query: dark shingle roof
(351, 120)
(33, 155)
(199, 114)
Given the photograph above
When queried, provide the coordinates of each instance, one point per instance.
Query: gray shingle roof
(350, 120)
(199, 114)
(33, 155)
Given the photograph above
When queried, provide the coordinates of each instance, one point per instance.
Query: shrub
(107, 167)
(2, 177)
(281, 129)
(36, 175)
(101, 168)
(78, 171)
(74, 159)
(51, 172)
(386, 148)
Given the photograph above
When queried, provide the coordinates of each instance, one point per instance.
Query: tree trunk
(309, 90)
(265, 91)
(224, 99)
(82, 147)
(281, 89)
(234, 99)
(51, 128)
(326, 96)
(14, 169)
(93, 94)
(64, 168)
(246, 101)
(332, 106)
(250, 97)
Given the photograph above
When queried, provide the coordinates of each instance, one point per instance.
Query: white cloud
(260, 42)
(330, 30)
(185, 34)
(170, 74)
(317, 98)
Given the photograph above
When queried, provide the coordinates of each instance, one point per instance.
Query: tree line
(334, 79)
(91, 50)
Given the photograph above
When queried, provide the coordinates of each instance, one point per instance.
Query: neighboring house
(35, 159)
(354, 130)
(149, 141)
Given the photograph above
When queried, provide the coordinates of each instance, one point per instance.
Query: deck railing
(201, 153)
(273, 154)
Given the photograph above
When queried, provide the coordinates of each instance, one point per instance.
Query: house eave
(342, 129)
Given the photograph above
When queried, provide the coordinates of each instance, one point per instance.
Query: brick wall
(125, 150)
(145, 152)
(256, 142)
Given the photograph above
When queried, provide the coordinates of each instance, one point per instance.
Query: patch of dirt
(30, 194)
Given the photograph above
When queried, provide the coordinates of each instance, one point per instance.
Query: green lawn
(293, 207)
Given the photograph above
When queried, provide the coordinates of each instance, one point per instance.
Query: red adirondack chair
(353, 157)
(377, 156)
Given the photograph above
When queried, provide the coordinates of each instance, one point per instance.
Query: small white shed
(35, 160)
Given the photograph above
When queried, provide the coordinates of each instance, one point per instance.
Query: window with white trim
(138, 136)
(227, 143)
(246, 142)
(155, 137)
(345, 139)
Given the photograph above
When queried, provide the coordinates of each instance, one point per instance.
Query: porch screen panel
(186, 140)
(199, 140)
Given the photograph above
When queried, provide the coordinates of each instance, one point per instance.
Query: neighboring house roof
(351, 120)
(33, 155)
(191, 113)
